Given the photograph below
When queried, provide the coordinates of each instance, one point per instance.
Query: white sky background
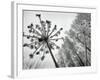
(57, 18)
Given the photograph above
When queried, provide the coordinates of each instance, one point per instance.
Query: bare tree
(77, 44)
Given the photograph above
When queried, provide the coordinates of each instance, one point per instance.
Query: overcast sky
(60, 19)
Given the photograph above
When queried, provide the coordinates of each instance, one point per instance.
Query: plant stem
(57, 66)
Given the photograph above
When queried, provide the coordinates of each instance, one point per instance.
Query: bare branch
(82, 42)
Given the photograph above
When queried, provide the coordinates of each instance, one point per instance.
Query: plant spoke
(41, 22)
(55, 45)
(37, 49)
(48, 26)
(56, 39)
(57, 33)
(39, 28)
(36, 32)
(55, 27)
(29, 36)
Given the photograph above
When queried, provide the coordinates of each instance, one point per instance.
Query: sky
(61, 19)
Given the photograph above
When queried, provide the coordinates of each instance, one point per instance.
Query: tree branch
(82, 42)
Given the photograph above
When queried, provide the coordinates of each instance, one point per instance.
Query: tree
(82, 35)
(77, 43)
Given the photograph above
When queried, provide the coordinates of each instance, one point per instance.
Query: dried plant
(42, 38)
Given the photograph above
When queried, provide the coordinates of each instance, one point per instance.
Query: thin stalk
(43, 28)
(37, 49)
(56, 65)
